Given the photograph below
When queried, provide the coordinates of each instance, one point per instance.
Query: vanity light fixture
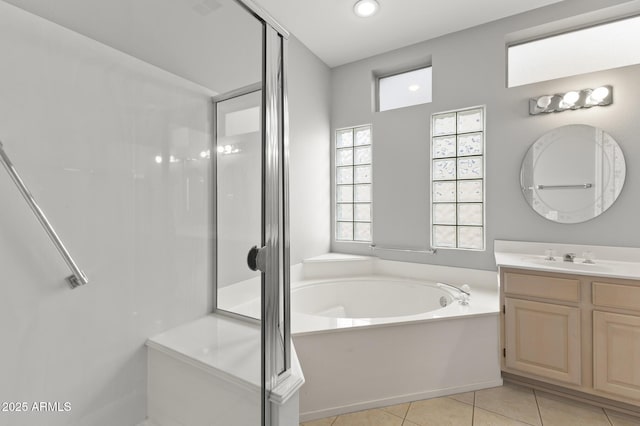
(366, 8)
(585, 98)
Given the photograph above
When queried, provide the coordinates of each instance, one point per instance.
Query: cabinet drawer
(616, 295)
(565, 289)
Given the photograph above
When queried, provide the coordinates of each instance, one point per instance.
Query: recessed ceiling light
(366, 8)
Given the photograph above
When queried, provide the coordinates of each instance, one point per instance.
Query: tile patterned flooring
(510, 404)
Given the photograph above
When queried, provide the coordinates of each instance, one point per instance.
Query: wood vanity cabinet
(575, 333)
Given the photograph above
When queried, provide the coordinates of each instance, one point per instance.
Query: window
(606, 46)
(457, 179)
(404, 89)
(353, 184)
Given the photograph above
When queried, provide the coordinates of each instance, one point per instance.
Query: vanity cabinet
(544, 339)
(575, 333)
(616, 339)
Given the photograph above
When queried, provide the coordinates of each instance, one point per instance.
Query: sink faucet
(569, 257)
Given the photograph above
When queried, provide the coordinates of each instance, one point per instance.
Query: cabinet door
(616, 354)
(543, 339)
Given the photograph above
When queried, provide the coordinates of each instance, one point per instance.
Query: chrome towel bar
(375, 247)
(78, 278)
(578, 186)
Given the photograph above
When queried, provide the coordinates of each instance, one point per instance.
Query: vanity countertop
(614, 262)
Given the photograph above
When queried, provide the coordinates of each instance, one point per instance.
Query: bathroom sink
(614, 262)
(578, 265)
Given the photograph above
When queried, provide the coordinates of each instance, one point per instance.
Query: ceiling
(191, 37)
(337, 36)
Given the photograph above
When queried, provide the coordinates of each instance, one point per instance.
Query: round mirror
(572, 173)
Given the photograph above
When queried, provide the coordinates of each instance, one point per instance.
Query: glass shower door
(238, 121)
(251, 209)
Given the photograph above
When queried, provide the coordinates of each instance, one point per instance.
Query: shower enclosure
(154, 136)
(251, 204)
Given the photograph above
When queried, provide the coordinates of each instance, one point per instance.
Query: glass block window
(353, 184)
(457, 179)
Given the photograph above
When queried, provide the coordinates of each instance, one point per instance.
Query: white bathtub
(372, 297)
(372, 340)
(371, 332)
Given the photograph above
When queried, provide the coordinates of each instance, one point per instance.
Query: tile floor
(506, 405)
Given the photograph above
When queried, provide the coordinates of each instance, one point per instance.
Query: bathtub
(371, 332)
(366, 341)
(372, 297)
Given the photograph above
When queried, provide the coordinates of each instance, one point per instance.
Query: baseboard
(367, 405)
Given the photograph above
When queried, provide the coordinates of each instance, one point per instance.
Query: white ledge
(336, 257)
(228, 349)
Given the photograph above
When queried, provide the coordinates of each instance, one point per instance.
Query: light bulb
(158, 159)
(366, 8)
(543, 101)
(599, 94)
(220, 149)
(570, 98)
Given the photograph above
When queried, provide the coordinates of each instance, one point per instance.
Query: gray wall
(468, 70)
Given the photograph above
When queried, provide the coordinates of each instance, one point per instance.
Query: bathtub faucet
(464, 292)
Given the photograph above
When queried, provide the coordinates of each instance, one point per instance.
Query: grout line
(607, 416)
(505, 416)
(535, 395)
(473, 409)
(406, 412)
(498, 413)
(403, 417)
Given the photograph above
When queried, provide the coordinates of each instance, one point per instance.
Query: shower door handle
(256, 258)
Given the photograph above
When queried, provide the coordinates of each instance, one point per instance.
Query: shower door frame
(275, 311)
(275, 280)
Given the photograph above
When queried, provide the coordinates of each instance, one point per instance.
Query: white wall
(469, 69)
(83, 124)
(310, 171)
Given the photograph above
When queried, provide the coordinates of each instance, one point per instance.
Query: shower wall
(114, 150)
(110, 147)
